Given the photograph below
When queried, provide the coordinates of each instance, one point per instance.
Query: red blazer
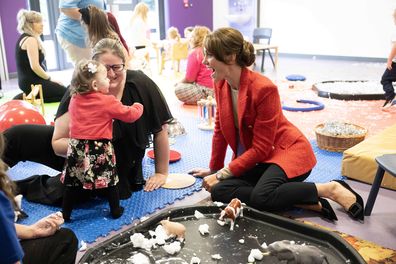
(265, 133)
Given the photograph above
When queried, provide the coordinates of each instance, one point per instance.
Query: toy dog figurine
(231, 212)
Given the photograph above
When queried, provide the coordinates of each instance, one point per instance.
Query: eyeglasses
(115, 67)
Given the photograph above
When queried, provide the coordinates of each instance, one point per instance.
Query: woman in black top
(30, 58)
(129, 139)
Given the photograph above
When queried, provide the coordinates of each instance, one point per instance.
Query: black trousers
(59, 248)
(388, 77)
(266, 187)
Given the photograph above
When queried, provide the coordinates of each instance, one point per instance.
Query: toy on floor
(20, 112)
(173, 155)
(295, 253)
(206, 111)
(316, 106)
(37, 90)
(231, 212)
(174, 229)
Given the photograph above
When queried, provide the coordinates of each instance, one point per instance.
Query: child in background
(172, 37)
(389, 75)
(90, 162)
(197, 83)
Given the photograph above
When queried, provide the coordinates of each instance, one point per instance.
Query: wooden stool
(31, 97)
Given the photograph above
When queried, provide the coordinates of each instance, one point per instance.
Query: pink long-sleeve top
(92, 114)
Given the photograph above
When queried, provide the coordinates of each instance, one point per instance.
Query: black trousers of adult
(52, 91)
(33, 143)
(388, 77)
(59, 248)
(266, 187)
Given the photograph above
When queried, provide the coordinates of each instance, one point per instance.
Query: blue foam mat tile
(92, 219)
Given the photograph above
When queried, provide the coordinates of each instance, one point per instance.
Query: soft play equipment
(350, 90)
(178, 181)
(18, 112)
(295, 77)
(317, 106)
(173, 155)
(359, 161)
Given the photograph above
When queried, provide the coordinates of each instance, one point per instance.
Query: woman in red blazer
(271, 157)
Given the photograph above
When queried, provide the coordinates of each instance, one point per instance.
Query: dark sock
(114, 202)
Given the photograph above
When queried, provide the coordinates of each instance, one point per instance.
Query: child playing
(90, 162)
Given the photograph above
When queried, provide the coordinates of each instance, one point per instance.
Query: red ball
(15, 104)
(14, 114)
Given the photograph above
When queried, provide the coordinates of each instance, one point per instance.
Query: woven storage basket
(338, 143)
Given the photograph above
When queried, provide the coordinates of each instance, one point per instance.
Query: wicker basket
(338, 143)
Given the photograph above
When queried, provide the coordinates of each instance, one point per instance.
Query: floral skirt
(90, 164)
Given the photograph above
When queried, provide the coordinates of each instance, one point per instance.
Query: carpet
(371, 252)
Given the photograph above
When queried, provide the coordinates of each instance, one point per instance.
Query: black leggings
(72, 195)
(59, 248)
(266, 187)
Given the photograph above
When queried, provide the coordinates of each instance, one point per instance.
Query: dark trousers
(59, 248)
(72, 195)
(33, 143)
(266, 187)
(388, 77)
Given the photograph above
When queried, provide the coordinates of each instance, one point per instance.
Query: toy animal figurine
(174, 229)
(231, 212)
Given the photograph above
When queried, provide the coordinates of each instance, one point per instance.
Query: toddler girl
(90, 162)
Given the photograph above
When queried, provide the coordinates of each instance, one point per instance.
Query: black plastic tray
(266, 227)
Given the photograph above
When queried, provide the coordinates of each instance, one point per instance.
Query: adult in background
(41, 242)
(271, 157)
(30, 58)
(138, 37)
(130, 140)
(99, 27)
(198, 83)
(71, 34)
(389, 75)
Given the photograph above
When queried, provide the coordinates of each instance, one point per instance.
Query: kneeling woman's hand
(209, 182)
(200, 172)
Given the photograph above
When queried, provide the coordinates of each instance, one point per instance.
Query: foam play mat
(350, 90)
(92, 219)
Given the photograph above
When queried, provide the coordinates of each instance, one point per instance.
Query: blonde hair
(83, 75)
(198, 35)
(141, 10)
(25, 19)
(108, 45)
(6, 185)
(173, 33)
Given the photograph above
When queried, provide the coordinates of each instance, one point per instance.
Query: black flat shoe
(356, 210)
(327, 211)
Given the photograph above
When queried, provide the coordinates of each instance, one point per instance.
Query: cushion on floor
(359, 161)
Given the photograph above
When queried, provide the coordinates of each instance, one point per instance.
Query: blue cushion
(295, 77)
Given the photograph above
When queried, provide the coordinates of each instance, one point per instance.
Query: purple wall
(200, 12)
(8, 12)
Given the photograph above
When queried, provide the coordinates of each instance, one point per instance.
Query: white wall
(353, 28)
